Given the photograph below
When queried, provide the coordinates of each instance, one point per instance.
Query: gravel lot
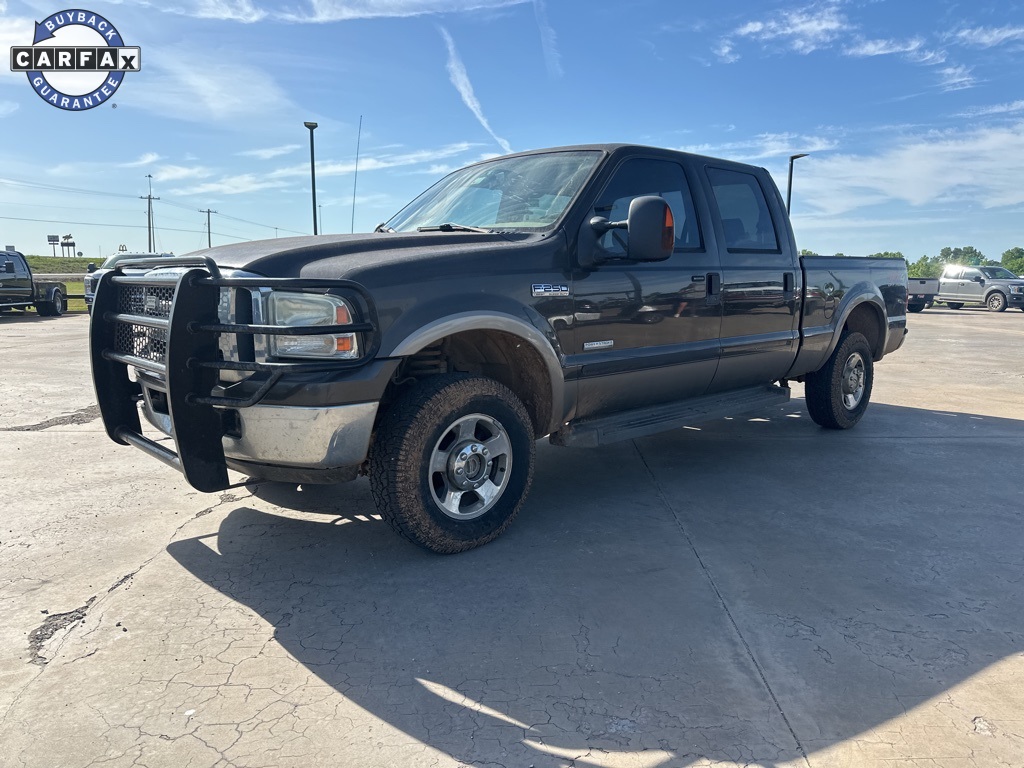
(751, 593)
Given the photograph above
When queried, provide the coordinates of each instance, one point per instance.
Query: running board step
(641, 422)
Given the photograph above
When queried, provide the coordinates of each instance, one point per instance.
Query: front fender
(486, 320)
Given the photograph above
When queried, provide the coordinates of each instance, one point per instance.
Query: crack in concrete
(721, 601)
(81, 416)
(38, 637)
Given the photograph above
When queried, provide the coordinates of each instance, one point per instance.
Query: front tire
(452, 462)
(838, 394)
(954, 304)
(996, 302)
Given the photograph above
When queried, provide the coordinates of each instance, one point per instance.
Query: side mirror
(652, 229)
(978, 279)
(9, 267)
(91, 268)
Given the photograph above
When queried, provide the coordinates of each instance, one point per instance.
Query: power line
(76, 190)
(55, 188)
(118, 226)
(258, 224)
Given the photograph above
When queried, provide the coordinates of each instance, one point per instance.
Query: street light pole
(789, 187)
(312, 172)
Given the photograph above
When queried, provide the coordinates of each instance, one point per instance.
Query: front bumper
(1015, 300)
(158, 345)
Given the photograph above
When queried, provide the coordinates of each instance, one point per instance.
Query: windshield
(998, 273)
(516, 193)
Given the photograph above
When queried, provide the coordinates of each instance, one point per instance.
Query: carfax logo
(76, 61)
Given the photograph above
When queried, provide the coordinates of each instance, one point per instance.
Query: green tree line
(931, 266)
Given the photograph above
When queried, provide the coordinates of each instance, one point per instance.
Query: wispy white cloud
(326, 11)
(956, 78)
(181, 172)
(460, 79)
(548, 39)
(988, 37)
(146, 159)
(981, 167)
(803, 30)
(765, 145)
(231, 185)
(864, 48)
(927, 57)
(374, 163)
(229, 10)
(187, 84)
(270, 152)
(8, 108)
(14, 30)
(726, 52)
(1010, 108)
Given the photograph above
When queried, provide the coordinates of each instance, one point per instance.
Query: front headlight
(298, 309)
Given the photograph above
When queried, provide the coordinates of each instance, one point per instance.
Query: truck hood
(336, 256)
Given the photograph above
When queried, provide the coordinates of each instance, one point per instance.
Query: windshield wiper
(382, 228)
(449, 227)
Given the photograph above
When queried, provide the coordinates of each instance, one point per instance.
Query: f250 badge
(547, 289)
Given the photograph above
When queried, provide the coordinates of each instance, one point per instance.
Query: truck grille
(139, 340)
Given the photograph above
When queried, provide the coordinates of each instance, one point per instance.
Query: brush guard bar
(183, 336)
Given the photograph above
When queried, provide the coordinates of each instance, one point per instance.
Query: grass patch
(49, 265)
(76, 305)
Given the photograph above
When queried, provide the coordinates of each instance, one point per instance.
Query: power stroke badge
(77, 60)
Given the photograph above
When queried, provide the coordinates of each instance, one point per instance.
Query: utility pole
(320, 208)
(209, 241)
(355, 176)
(150, 241)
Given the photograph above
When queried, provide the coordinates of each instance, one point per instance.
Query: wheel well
(504, 357)
(866, 319)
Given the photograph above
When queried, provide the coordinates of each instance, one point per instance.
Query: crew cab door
(17, 285)
(645, 333)
(951, 283)
(972, 285)
(761, 278)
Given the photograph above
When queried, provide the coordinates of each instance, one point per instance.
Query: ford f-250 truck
(590, 294)
(19, 288)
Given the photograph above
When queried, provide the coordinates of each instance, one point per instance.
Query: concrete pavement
(753, 592)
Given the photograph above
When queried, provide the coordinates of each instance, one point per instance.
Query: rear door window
(746, 219)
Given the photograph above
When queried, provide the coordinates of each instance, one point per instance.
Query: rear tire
(954, 304)
(452, 462)
(838, 394)
(54, 307)
(996, 302)
(915, 307)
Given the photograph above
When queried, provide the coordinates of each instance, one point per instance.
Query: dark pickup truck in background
(19, 289)
(590, 294)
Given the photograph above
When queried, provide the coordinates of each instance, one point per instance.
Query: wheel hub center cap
(468, 465)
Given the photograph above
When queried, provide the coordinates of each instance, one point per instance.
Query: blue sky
(912, 112)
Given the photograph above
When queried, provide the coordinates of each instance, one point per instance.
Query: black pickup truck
(19, 289)
(589, 294)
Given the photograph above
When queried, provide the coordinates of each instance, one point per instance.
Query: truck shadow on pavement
(754, 591)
